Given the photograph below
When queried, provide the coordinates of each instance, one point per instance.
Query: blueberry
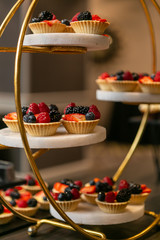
(153, 76)
(24, 110)
(32, 202)
(106, 187)
(45, 198)
(13, 202)
(45, 15)
(120, 72)
(67, 189)
(68, 196)
(15, 195)
(25, 118)
(99, 186)
(53, 107)
(135, 76)
(31, 119)
(31, 182)
(61, 197)
(35, 20)
(86, 15)
(92, 182)
(1, 208)
(119, 77)
(66, 22)
(72, 185)
(90, 116)
(66, 181)
(101, 196)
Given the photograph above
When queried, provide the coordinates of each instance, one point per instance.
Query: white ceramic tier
(128, 97)
(92, 42)
(60, 140)
(92, 215)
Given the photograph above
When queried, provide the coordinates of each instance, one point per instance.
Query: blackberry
(15, 195)
(123, 195)
(13, 202)
(53, 107)
(101, 196)
(83, 109)
(86, 15)
(90, 116)
(45, 15)
(31, 182)
(1, 208)
(32, 202)
(72, 185)
(35, 20)
(69, 110)
(61, 197)
(92, 182)
(24, 110)
(55, 116)
(99, 186)
(68, 196)
(31, 119)
(45, 198)
(66, 22)
(135, 76)
(135, 188)
(66, 181)
(106, 187)
(76, 109)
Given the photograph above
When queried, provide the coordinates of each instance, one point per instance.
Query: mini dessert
(16, 193)
(85, 22)
(42, 200)
(46, 22)
(150, 84)
(139, 192)
(113, 202)
(41, 120)
(90, 191)
(5, 215)
(11, 121)
(80, 119)
(68, 28)
(32, 185)
(103, 80)
(60, 187)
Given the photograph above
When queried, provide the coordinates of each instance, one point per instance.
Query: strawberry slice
(74, 117)
(60, 187)
(97, 180)
(143, 186)
(146, 190)
(11, 116)
(146, 80)
(88, 189)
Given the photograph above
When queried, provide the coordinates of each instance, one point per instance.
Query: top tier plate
(128, 97)
(92, 42)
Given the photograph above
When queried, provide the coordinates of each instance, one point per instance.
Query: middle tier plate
(60, 140)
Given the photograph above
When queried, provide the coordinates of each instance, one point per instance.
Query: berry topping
(43, 107)
(33, 107)
(43, 117)
(86, 15)
(55, 195)
(103, 187)
(135, 76)
(110, 197)
(15, 195)
(8, 191)
(6, 210)
(53, 107)
(11, 116)
(24, 110)
(45, 198)
(75, 193)
(74, 117)
(95, 110)
(123, 184)
(135, 188)
(13, 202)
(66, 181)
(66, 22)
(101, 196)
(104, 75)
(127, 76)
(75, 17)
(45, 15)
(34, 20)
(61, 197)
(1, 208)
(123, 195)
(146, 80)
(146, 190)
(60, 187)
(95, 17)
(31, 182)
(32, 202)
(90, 116)
(55, 116)
(78, 183)
(69, 105)
(108, 180)
(68, 196)
(22, 203)
(88, 189)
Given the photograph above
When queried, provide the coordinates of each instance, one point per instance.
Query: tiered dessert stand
(70, 44)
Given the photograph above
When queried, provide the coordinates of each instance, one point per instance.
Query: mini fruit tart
(80, 119)
(27, 207)
(85, 22)
(11, 121)
(16, 193)
(42, 200)
(68, 200)
(103, 80)
(60, 187)
(113, 202)
(5, 215)
(46, 22)
(139, 192)
(41, 120)
(150, 84)
(90, 191)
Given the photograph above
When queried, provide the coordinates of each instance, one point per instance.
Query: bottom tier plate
(91, 215)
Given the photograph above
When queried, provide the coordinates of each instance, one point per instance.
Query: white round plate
(60, 140)
(92, 215)
(128, 97)
(92, 42)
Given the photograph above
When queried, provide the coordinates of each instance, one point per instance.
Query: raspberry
(55, 195)
(95, 17)
(108, 180)
(22, 204)
(18, 188)
(127, 76)
(95, 110)
(78, 183)
(8, 191)
(75, 193)
(43, 107)
(123, 184)
(75, 17)
(69, 105)
(43, 117)
(110, 197)
(157, 78)
(104, 75)
(33, 107)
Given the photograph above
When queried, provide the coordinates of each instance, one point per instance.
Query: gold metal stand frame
(89, 234)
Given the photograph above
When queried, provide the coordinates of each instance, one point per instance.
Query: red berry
(108, 180)
(157, 78)
(95, 110)
(123, 184)
(43, 107)
(102, 20)
(55, 195)
(6, 210)
(95, 17)
(8, 191)
(28, 177)
(127, 76)
(22, 203)
(146, 190)
(69, 105)
(75, 193)
(43, 117)
(110, 197)
(75, 17)
(78, 183)
(33, 107)
(54, 17)
(18, 188)
(104, 75)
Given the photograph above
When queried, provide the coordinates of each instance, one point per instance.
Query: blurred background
(61, 79)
